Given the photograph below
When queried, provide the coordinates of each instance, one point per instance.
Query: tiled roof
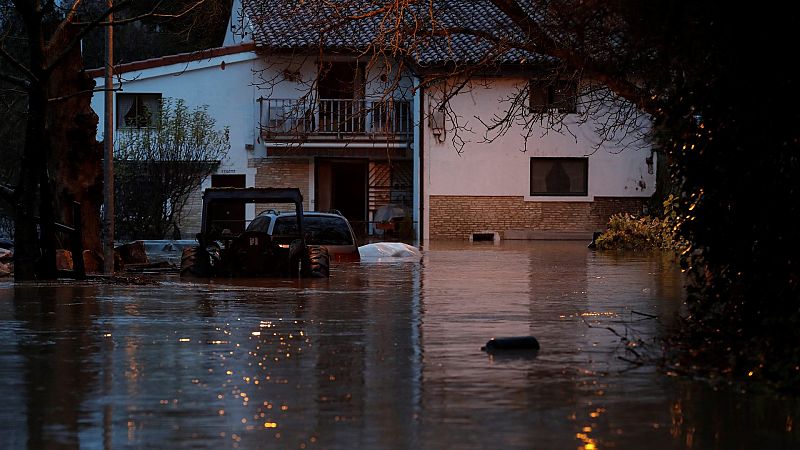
(286, 24)
(309, 24)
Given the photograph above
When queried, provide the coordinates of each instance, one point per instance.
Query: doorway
(342, 185)
(341, 80)
(228, 214)
(341, 97)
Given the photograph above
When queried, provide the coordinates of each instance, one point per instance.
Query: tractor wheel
(296, 263)
(318, 262)
(195, 262)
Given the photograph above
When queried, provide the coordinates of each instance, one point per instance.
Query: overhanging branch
(82, 33)
(21, 82)
(17, 65)
(7, 194)
(99, 21)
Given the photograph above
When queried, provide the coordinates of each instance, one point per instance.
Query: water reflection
(381, 355)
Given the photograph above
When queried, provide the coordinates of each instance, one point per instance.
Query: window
(137, 110)
(260, 223)
(560, 176)
(559, 95)
(321, 230)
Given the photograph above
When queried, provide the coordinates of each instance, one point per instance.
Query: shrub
(631, 232)
(157, 169)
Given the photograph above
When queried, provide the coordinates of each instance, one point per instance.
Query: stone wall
(457, 217)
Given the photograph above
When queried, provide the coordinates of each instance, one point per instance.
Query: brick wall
(457, 217)
(283, 173)
(192, 215)
(604, 207)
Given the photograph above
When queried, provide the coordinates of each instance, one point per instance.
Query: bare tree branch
(66, 48)
(21, 82)
(17, 65)
(7, 194)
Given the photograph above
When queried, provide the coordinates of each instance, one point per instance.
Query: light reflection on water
(381, 355)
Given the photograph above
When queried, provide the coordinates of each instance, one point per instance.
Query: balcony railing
(284, 118)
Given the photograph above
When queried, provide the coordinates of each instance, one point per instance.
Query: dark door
(349, 191)
(228, 214)
(341, 80)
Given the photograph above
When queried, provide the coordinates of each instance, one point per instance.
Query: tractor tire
(195, 262)
(317, 262)
(296, 259)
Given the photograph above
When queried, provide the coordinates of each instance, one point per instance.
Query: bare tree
(158, 167)
(60, 159)
(200, 26)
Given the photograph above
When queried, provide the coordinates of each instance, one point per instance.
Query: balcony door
(341, 97)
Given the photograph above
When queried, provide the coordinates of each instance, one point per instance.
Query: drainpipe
(419, 160)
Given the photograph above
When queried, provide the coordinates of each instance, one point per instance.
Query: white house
(306, 111)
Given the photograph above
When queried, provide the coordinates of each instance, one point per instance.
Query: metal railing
(386, 117)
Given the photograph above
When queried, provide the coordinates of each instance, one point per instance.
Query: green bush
(631, 232)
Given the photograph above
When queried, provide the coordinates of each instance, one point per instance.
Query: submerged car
(257, 251)
(329, 230)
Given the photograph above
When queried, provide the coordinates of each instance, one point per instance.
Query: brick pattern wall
(605, 207)
(282, 173)
(457, 217)
(192, 215)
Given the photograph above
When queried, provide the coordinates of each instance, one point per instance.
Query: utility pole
(108, 150)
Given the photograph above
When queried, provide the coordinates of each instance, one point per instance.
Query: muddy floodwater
(383, 355)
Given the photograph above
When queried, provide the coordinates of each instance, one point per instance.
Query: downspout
(419, 162)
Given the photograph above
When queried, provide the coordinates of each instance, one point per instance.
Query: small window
(235, 180)
(138, 110)
(560, 96)
(560, 176)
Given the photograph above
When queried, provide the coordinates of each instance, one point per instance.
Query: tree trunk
(76, 158)
(61, 160)
(34, 252)
(27, 249)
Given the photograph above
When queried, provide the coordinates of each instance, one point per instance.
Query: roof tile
(358, 25)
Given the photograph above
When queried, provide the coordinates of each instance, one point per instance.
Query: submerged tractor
(222, 252)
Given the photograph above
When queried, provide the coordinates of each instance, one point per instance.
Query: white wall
(501, 167)
(239, 28)
(225, 88)
(231, 94)
(227, 92)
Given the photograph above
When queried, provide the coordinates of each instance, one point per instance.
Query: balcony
(335, 120)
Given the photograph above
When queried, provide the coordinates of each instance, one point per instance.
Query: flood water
(381, 355)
